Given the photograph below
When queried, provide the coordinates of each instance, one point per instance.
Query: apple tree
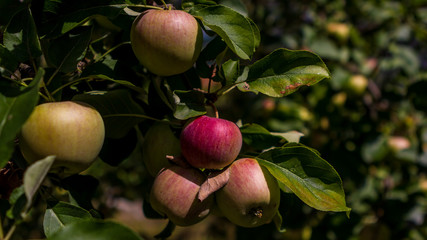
(87, 86)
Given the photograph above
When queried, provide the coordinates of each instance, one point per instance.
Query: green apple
(166, 42)
(159, 141)
(73, 132)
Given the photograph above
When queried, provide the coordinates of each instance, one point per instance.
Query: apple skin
(73, 132)
(159, 141)
(166, 42)
(210, 143)
(252, 195)
(174, 193)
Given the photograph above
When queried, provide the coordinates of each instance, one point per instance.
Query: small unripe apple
(159, 141)
(211, 143)
(166, 42)
(174, 193)
(357, 84)
(73, 132)
(252, 195)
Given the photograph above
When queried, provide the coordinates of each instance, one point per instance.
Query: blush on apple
(251, 196)
(211, 143)
(174, 193)
(166, 42)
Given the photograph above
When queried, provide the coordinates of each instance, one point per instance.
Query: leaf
(258, 137)
(34, 177)
(18, 202)
(188, 104)
(236, 5)
(214, 181)
(208, 54)
(15, 107)
(119, 111)
(7, 60)
(68, 22)
(8, 8)
(283, 72)
(278, 222)
(20, 37)
(229, 71)
(94, 230)
(291, 136)
(231, 26)
(309, 176)
(65, 52)
(60, 214)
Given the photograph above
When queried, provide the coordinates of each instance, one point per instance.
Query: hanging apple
(211, 143)
(174, 193)
(166, 42)
(73, 132)
(251, 196)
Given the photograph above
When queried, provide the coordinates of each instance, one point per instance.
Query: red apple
(252, 195)
(166, 42)
(174, 193)
(211, 143)
(73, 132)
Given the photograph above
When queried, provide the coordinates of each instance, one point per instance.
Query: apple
(174, 193)
(211, 143)
(159, 142)
(357, 84)
(166, 42)
(72, 131)
(251, 197)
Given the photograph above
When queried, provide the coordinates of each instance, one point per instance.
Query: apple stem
(214, 108)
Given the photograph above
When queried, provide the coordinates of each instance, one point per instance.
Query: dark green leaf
(189, 104)
(258, 137)
(231, 26)
(309, 176)
(7, 61)
(15, 108)
(60, 214)
(34, 177)
(119, 111)
(65, 52)
(208, 55)
(70, 21)
(283, 71)
(8, 8)
(189, 4)
(18, 202)
(95, 230)
(20, 37)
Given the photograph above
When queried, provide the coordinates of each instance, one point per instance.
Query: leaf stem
(69, 83)
(110, 50)
(10, 232)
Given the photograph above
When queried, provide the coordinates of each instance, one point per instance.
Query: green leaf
(8, 8)
(309, 176)
(188, 104)
(65, 52)
(7, 60)
(236, 5)
(119, 111)
(75, 19)
(189, 4)
(283, 72)
(235, 29)
(15, 107)
(34, 177)
(95, 230)
(81, 189)
(230, 71)
(18, 202)
(215, 47)
(20, 37)
(258, 137)
(60, 214)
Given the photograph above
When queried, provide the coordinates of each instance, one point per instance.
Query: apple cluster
(249, 196)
